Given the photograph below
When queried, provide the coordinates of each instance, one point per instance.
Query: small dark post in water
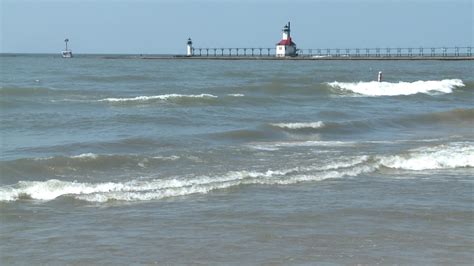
(379, 78)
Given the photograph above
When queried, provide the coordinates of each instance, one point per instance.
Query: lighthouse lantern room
(286, 47)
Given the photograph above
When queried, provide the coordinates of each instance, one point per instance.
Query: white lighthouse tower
(286, 47)
(189, 48)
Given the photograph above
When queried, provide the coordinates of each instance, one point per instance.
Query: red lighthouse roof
(286, 42)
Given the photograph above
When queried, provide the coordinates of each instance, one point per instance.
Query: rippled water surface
(119, 161)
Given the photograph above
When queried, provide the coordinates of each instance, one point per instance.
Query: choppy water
(174, 161)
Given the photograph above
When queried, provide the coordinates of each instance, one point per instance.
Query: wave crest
(374, 88)
(163, 97)
(448, 156)
(142, 190)
(457, 155)
(310, 125)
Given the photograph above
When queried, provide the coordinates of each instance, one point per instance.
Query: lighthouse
(189, 48)
(286, 47)
(66, 53)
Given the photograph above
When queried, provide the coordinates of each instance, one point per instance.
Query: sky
(163, 26)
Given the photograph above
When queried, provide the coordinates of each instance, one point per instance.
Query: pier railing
(342, 52)
(233, 51)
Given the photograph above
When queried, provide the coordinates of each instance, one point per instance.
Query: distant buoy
(379, 78)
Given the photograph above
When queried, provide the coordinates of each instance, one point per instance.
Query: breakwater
(443, 53)
(338, 52)
(420, 53)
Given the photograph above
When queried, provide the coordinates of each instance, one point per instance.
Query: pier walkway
(420, 53)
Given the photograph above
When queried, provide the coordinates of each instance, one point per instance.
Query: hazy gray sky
(163, 26)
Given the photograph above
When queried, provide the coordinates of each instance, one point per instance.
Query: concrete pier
(319, 54)
(420, 53)
(302, 58)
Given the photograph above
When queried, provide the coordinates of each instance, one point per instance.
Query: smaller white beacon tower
(66, 53)
(189, 48)
(286, 47)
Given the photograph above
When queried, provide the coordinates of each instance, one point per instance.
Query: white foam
(51, 189)
(273, 146)
(355, 171)
(455, 155)
(43, 158)
(448, 156)
(263, 147)
(86, 156)
(136, 190)
(167, 158)
(236, 95)
(157, 97)
(318, 124)
(374, 88)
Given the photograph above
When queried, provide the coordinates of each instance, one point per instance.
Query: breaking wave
(374, 88)
(142, 190)
(163, 97)
(313, 125)
(456, 155)
(447, 156)
(460, 117)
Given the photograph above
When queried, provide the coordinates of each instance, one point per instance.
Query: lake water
(131, 161)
